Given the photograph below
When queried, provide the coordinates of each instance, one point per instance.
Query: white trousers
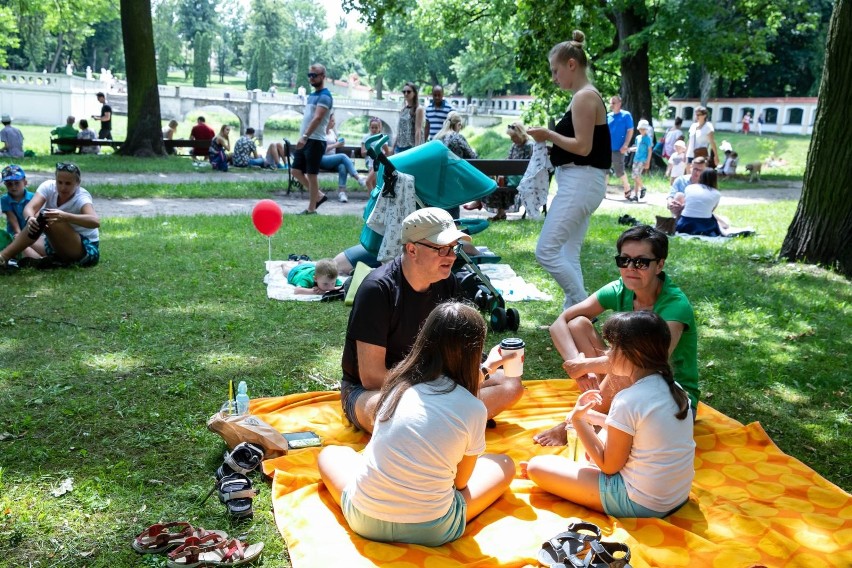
(580, 190)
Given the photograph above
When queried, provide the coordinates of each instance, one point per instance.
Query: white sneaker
(342, 197)
(362, 181)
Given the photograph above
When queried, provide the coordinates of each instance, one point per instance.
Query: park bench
(203, 145)
(493, 168)
(79, 143)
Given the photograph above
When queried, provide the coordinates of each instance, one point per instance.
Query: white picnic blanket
(277, 287)
(512, 287)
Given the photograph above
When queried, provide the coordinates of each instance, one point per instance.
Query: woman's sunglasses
(67, 167)
(638, 263)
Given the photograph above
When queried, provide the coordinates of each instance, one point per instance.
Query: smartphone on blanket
(298, 440)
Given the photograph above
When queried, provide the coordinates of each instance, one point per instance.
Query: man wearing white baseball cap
(391, 305)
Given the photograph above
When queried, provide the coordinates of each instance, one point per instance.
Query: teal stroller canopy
(441, 179)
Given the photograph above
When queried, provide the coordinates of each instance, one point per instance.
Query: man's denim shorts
(349, 393)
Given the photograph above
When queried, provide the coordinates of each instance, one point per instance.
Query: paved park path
(292, 204)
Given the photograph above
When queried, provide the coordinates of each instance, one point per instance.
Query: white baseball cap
(643, 124)
(431, 224)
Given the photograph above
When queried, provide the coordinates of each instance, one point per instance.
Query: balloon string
(269, 241)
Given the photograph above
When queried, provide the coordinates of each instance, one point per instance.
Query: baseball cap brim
(447, 236)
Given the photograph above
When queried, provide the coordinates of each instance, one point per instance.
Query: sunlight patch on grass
(788, 394)
(227, 360)
(116, 362)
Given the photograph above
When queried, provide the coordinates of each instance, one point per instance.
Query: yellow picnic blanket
(751, 505)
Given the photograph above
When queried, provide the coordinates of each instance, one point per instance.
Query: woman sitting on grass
(699, 201)
(642, 252)
(61, 223)
(219, 148)
(644, 465)
(421, 476)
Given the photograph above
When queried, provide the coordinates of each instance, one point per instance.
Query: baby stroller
(441, 179)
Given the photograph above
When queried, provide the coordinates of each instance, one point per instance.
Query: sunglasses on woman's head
(638, 263)
(67, 167)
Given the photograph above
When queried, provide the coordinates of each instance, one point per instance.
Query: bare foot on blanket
(556, 436)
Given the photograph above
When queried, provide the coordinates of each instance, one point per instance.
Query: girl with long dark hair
(421, 476)
(643, 466)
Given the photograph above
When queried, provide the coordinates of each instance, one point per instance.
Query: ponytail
(678, 394)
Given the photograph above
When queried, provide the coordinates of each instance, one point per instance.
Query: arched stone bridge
(254, 108)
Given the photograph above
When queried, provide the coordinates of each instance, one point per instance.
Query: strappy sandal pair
(194, 547)
(210, 551)
(234, 487)
(581, 547)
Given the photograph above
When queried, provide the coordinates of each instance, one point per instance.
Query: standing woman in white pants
(581, 155)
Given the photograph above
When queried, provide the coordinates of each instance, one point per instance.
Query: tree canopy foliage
(648, 51)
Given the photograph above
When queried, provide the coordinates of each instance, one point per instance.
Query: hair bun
(578, 37)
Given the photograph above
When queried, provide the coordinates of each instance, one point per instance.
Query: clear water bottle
(242, 398)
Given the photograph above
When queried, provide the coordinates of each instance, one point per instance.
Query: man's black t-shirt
(388, 313)
(106, 124)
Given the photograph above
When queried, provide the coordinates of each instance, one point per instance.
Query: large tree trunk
(60, 42)
(705, 86)
(821, 231)
(635, 66)
(144, 129)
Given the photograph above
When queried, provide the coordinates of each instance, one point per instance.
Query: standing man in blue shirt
(437, 111)
(311, 145)
(620, 124)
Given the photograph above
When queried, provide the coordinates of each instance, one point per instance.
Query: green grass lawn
(110, 373)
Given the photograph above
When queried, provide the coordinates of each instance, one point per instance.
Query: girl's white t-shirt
(659, 471)
(81, 197)
(678, 161)
(412, 459)
(700, 201)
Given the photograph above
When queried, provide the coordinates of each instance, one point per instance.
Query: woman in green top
(643, 285)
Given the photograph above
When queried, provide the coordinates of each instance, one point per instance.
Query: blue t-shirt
(619, 124)
(17, 207)
(320, 98)
(643, 148)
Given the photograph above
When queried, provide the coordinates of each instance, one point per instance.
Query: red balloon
(267, 217)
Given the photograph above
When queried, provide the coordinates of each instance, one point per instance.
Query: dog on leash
(754, 171)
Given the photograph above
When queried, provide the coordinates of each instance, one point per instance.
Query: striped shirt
(436, 116)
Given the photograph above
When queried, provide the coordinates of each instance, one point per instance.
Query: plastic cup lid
(512, 343)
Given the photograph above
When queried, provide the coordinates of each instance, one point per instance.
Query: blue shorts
(91, 252)
(307, 158)
(616, 502)
(358, 253)
(431, 533)
(349, 393)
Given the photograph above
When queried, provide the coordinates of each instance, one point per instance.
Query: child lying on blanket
(421, 478)
(312, 277)
(645, 460)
